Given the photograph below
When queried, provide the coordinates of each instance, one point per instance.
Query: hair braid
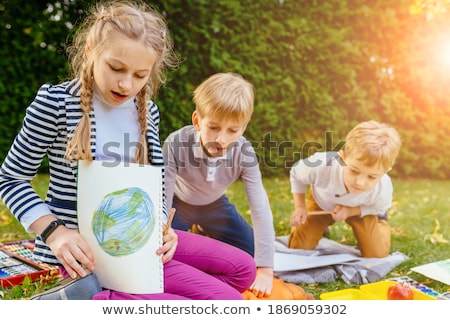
(142, 147)
(79, 147)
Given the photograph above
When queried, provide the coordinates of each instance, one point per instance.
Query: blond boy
(205, 158)
(353, 184)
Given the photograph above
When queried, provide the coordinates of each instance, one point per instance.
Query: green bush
(319, 67)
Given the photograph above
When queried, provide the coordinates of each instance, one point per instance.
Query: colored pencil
(169, 221)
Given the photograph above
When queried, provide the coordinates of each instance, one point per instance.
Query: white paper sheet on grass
(439, 270)
(137, 272)
(292, 262)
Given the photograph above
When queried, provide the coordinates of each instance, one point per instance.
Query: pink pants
(201, 269)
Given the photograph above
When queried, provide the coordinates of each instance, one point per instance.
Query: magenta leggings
(201, 269)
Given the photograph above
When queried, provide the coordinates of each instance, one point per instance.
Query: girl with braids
(118, 59)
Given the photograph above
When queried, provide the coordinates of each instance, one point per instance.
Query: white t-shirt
(117, 130)
(323, 171)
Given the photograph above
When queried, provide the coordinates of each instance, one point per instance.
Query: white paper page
(439, 270)
(119, 214)
(293, 262)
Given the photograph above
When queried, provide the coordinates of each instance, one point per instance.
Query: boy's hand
(298, 217)
(342, 213)
(262, 286)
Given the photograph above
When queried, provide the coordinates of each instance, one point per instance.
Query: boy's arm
(342, 213)
(170, 172)
(298, 189)
(299, 215)
(262, 286)
(299, 200)
(262, 221)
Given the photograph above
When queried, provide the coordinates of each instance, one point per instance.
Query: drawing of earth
(124, 221)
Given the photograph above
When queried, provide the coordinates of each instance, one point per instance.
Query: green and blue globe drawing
(124, 221)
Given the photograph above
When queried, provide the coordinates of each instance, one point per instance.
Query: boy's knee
(297, 241)
(376, 248)
(375, 252)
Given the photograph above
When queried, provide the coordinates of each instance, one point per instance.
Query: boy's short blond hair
(225, 96)
(373, 143)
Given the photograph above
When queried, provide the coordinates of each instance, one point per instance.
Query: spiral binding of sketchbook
(160, 232)
(120, 215)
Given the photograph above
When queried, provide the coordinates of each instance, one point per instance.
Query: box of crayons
(17, 262)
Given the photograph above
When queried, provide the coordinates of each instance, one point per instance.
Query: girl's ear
(196, 120)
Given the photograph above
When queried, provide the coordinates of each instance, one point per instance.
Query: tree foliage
(32, 40)
(319, 67)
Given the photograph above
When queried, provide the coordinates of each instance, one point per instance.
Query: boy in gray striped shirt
(204, 159)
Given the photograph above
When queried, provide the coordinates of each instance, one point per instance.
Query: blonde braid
(79, 147)
(142, 146)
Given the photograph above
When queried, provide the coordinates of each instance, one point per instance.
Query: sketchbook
(119, 210)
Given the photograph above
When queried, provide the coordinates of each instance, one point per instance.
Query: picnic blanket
(330, 261)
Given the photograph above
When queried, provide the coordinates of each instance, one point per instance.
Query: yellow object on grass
(372, 291)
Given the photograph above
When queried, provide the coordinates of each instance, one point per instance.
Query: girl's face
(358, 177)
(122, 70)
(217, 135)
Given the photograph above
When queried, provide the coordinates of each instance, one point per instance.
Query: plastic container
(371, 291)
(347, 294)
(380, 289)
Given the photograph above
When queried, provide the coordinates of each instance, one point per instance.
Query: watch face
(51, 225)
(50, 228)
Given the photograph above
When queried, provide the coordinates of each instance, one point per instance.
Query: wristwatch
(50, 228)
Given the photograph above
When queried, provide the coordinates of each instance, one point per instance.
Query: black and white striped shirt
(48, 125)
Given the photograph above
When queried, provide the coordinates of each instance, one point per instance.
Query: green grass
(419, 218)
(420, 214)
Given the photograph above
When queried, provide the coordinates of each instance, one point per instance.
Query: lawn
(419, 218)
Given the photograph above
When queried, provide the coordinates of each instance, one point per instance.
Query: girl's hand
(298, 217)
(72, 251)
(170, 241)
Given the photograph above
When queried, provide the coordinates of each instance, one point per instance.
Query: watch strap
(50, 229)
